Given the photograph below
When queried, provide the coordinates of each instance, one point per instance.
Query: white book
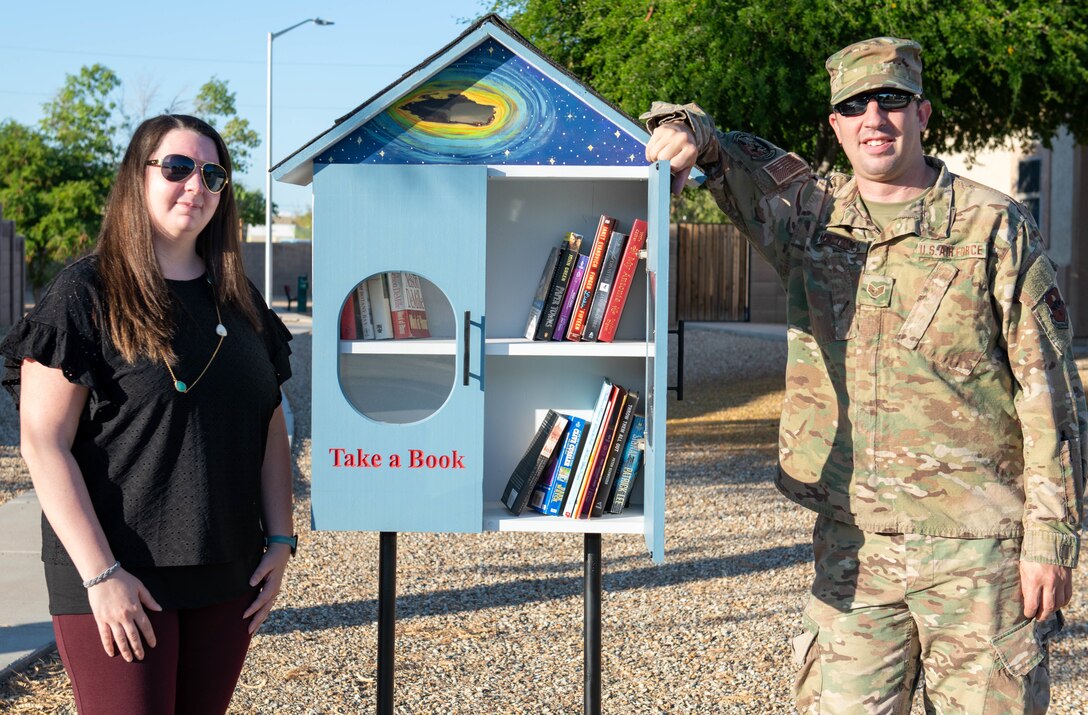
(362, 311)
(378, 288)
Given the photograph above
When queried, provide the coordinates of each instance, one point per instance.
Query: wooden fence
(12, 273)
(711, 273)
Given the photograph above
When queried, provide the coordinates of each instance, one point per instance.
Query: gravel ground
(492, 623)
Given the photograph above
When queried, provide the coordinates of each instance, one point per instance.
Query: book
(615, 454)
(600, 456)
(589, 280)
(557, 490)
(611, 262)
(590, 451)
(537, 307)
(347, 321)
(621, 286)
(537, 502)
(378, 289)
(406, 307)
(553, 303)
(573, 289)
(364, 323)
(532, 464)
(632, 458)
(589, 435)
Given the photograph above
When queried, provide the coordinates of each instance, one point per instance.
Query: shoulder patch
(753, 147)
(1054, 302)
(785, 168)
(1039, 278)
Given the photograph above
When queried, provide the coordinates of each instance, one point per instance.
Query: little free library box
(437, 203)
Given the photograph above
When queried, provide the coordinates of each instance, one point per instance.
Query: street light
(268, 160)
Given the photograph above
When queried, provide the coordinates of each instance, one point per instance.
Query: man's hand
(1046, 588)
(676, 143)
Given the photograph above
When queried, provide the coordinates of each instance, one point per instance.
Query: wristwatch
(291, 541)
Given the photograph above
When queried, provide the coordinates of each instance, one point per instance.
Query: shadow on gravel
(518, 593)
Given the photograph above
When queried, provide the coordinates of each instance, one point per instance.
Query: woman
(148, 382)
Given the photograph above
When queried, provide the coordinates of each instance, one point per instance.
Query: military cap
(879, 63)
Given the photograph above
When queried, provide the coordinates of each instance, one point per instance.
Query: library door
(398, 391)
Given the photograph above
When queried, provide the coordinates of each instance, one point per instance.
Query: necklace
(220, 331)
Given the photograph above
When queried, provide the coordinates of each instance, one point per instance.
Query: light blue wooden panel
(657, 365)
(429, 220)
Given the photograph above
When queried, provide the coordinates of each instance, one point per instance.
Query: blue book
(558, 487)
(632, 459)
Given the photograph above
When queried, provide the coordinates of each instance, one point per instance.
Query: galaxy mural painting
(488, 107)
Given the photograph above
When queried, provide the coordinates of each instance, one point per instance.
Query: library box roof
(488, 97)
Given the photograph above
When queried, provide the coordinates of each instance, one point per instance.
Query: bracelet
(102, 576)
(291, 541)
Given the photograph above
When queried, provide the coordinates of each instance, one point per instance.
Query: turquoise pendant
(180, 386)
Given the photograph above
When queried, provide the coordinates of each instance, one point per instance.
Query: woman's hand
(269, 576)
(118, 605)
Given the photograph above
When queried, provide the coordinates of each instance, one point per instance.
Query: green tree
(996, 70)
(215, 104)
(304, 225)
(54, 179)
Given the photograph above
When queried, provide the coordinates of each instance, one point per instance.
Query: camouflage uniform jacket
(931, 387)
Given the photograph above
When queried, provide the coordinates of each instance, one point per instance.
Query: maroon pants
(191, 671)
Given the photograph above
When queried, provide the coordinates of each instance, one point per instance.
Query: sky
(168, 50)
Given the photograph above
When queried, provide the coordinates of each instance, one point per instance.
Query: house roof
(488, 97)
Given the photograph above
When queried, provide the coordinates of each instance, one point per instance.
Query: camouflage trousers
(887, 608)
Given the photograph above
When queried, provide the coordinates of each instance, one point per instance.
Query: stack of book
(581, 297)
(385, 306)
(580, 468)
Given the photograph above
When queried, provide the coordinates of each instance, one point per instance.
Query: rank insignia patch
(1054, 302)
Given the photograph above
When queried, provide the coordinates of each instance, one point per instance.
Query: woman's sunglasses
(178, 167)
(888, 100)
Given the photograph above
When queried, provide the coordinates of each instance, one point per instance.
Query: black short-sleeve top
(174, 477)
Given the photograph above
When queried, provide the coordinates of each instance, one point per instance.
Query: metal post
(268, 155)
(592, 605)
(268, 179)
(387, 619)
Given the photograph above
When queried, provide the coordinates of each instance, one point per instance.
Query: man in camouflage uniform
(933, 416)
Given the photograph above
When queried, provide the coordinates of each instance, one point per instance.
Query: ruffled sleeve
(277, 337)
(62, 332)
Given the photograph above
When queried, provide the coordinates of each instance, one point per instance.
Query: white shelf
(415, 346)
(566, 348)
(500, 346)
(498, 518)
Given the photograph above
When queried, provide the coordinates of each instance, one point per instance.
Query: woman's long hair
(138, 316)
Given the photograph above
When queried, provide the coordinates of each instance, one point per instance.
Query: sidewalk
(26, 629)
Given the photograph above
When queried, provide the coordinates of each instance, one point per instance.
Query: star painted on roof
(590, 147)
(506, 153)
(630, 157)
(551, 160)
(617, 134)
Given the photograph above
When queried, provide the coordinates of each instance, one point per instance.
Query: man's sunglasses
(888, 100)
(178, 167)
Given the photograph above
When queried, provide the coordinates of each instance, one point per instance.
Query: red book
(600, 459)
(347, 319)
(406, 306)
(589, 281)
(598, 445)
(622, 285)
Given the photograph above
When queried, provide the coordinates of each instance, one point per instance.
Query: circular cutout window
(397, 351)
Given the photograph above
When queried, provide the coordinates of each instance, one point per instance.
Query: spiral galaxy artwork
(489, 107)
